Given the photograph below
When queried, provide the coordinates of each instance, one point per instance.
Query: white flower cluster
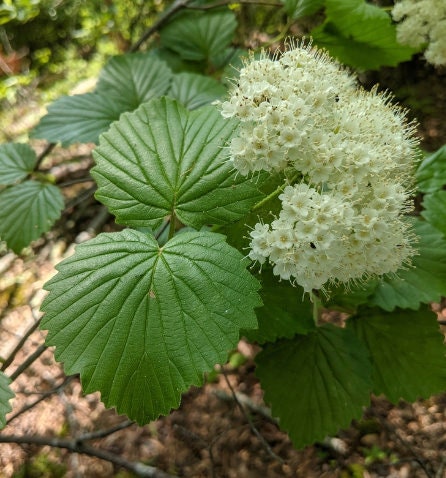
(354, 153)
(423, 21)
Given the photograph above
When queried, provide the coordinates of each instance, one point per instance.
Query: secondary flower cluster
(354, 151)
(423, 21)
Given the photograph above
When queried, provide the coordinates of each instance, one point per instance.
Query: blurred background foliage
(45, 40)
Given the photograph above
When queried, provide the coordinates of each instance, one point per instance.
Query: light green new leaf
(317, 383)
(435, 210)
(28, 210)
(79, 118)
(137, 77)
(17, 160)
(194, 90)
(286, 311)
(431, 174)
(361, 35)
(424, 282)
(124, 83)
(407, 352)
(301, 8)
(162, 159)
(142, 323)
(199, 35)
(5, 395)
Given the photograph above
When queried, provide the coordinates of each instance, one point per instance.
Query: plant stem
(275, 193)
(172, 225)
(317, 305)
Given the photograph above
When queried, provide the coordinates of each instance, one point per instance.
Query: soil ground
(208, 436)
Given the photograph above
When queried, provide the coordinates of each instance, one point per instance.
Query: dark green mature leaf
(407, 352)
(431, 174)
(361, 35)
(424, 282)
(435, 210)
(163, 159)
(199, 35)
(142, 323)
(138, 77)
(5, 395)
(316, 383)
(301, 8)
(125, 82)
(286, 311)
(194, 90)
(79, 118)
(17, 160)
(28, 210)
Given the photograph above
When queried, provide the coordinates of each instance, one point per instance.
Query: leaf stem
(275, 193)
(172, 225)
(317, 305)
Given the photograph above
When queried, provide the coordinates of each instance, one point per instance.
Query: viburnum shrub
(248, 213)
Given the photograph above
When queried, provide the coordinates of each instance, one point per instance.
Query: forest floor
(224, 429)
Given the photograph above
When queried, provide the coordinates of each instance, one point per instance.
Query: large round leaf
(194, 90)
(286, 311)
(141, 323)
(79, 118)
(137, 77)
(5, 395)
(435, 210)
(407, 352)
(360, 34)
(431, 173)
(124, 83)
(316, 383)
(17, 160)
(199, 35)
(424, 282)
(27, 210)
(163, 159)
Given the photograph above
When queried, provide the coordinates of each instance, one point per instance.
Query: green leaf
(435, 210)
(407, 352)
(348, 297)
(302, 8)
(163, 159)
(5, 395)
(28, 210)
(361, 35)
(124, 83)
(316, 383)
(79, 118)
(199, 35)
(431, 174)
(17, 160)
(137, 77)
(142, 323)
(194, 90)
(424, 282)
(286, 311)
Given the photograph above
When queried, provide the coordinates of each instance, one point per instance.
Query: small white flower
(420, 22)
(354, 152)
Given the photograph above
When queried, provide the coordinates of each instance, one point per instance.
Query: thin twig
(107, 431)
(75, 181)
(407, 445)
(224, 3)
(251, 425)
(32, 358)
(7, 362)
(83, 196)
(44, 395)
(162, 20)
(44, 154)
(75, 446)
